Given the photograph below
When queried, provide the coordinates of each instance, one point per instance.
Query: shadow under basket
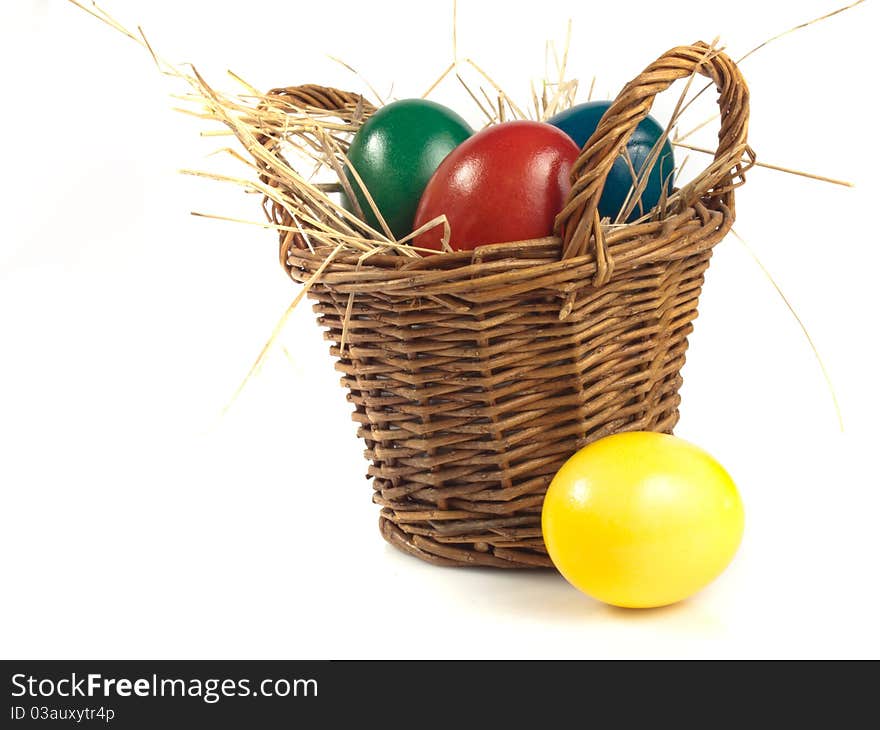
(475, 375)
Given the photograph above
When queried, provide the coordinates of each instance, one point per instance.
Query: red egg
(506, 183)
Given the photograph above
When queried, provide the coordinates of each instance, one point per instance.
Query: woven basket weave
(475, 375)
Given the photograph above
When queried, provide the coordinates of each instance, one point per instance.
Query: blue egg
(581, 121)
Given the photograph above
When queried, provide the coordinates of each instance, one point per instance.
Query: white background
(136, 521)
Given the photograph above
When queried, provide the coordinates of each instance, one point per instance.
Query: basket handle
(347, 105)
(324, 98)
(578, 222)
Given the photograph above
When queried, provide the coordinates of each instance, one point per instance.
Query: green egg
(395, 153)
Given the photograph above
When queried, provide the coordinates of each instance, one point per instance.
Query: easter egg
(395, 153)
(581, 121)
(506, 183)
(641, 519)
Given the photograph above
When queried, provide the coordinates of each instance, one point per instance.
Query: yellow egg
(642, 519)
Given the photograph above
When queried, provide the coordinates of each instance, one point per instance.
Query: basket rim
(525, 265)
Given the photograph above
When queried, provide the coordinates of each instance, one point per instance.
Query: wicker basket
(475, 375)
